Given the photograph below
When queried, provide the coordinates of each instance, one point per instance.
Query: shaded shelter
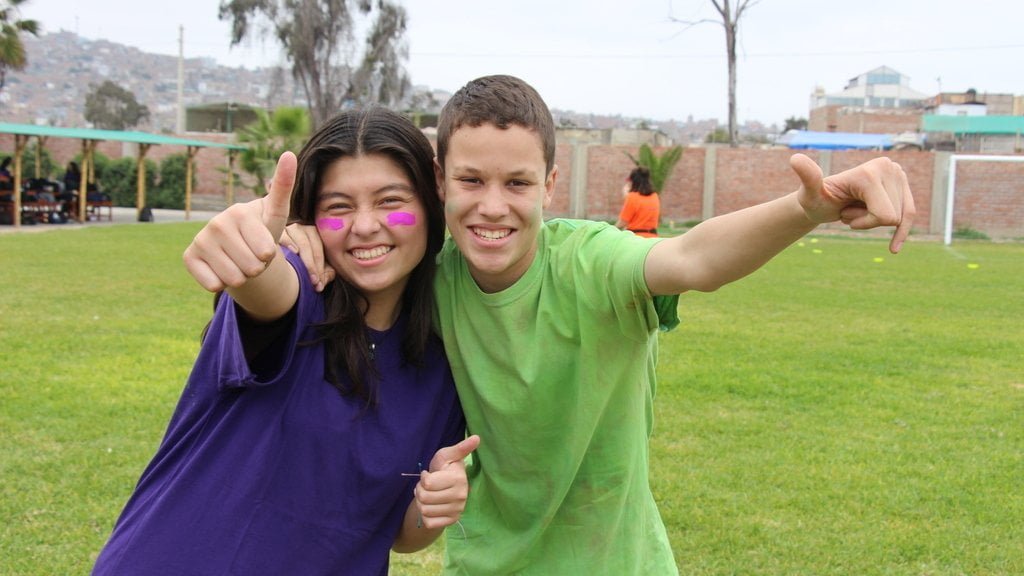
(223, 117)
(89, 138)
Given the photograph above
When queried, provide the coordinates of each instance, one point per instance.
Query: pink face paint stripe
(330, 223)
(401, 219)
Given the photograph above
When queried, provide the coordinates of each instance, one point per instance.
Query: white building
(882, 87)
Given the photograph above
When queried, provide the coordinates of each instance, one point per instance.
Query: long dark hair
(343, 331)
(640, 181)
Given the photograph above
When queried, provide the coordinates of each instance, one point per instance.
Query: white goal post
(951, 185)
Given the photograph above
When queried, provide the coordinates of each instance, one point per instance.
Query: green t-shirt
(557, 374)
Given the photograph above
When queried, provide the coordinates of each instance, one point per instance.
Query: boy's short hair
(500, 100)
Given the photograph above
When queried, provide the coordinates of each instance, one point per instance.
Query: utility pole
(180, 124)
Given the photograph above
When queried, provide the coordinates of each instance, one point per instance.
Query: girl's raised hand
(240, 242)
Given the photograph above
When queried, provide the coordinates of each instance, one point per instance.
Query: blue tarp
(808, 140)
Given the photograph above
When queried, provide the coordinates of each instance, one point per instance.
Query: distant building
(982, 134)
(882, 87)
(971, 103)
(880, 101)
(225, 117)
(972, 122)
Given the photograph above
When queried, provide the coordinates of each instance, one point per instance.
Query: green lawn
(831, 414)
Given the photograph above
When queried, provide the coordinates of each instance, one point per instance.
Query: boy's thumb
(809, 173)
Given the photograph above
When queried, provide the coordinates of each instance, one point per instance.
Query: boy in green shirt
(552, 335)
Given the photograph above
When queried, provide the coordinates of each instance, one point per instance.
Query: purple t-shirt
(277, 472)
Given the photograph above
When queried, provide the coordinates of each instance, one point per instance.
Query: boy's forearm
(726, 248)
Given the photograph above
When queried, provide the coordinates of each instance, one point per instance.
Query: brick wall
(989, 195)
(990, 198)
(747, 177)
(864, 120)
(607, 169)
(919, 167)
(823, 119)
(609, 166)
(878, 122)
(683, 197)
(993, 193)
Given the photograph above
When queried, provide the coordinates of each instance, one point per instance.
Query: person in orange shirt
(642, 208)
(640, 214)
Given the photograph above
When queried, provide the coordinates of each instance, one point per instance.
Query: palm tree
(12, 51)
(287, 128)
(659, 166)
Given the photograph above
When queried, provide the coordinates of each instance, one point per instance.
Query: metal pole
(950, 187)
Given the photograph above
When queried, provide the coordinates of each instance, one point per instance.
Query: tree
(170, 189)
(267, 138)
(729, 20)
(120, 180)
(660, 166)
(47, 167)
(12, 50)
(320, 41)
(718, 136)
(111, 107)
(794, 123)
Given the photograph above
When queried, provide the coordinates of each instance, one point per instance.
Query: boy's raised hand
(875, 193)
(304, 240)
(442, 490)
(240, 242)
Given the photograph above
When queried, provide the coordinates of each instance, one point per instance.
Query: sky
(628, 57)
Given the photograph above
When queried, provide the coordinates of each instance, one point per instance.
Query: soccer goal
(951, 185)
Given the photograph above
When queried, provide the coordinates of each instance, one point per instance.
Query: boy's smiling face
(495, 191)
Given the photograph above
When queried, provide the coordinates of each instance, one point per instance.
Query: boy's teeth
(371, 254)
(491, 234)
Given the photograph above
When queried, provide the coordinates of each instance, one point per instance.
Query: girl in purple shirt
(317, 431)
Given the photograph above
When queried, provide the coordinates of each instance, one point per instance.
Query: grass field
(842, 411)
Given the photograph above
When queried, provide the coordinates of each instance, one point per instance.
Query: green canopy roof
(974, 124)
(115, 135)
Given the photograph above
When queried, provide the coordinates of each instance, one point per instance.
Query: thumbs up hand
(239, 243)
(442, 490)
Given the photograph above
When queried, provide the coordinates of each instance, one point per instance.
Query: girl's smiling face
(373, 225)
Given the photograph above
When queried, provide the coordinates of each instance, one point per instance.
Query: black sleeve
(259, 339)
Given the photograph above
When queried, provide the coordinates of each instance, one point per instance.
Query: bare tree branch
(730, 24)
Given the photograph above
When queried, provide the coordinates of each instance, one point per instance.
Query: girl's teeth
(371, 254)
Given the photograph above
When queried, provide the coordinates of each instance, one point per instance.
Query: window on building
(878, 78)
